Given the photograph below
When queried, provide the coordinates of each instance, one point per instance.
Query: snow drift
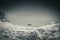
(9, 31)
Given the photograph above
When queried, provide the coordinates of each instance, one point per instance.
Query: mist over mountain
(9, 31)
(44, 17)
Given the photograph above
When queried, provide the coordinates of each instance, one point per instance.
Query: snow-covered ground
(49, 30)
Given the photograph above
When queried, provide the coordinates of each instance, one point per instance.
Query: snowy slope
(14, 31)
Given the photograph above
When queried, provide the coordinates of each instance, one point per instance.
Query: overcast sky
(31, 12)
(31, 15)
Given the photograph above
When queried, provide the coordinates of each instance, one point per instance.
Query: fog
(29, 14)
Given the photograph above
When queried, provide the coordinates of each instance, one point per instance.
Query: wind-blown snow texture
(9, 31)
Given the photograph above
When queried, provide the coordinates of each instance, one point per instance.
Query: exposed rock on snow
(18, 32)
